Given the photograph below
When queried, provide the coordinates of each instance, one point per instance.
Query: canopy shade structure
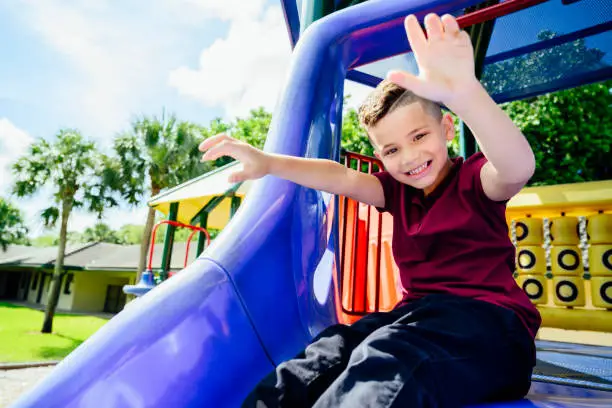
(553, 45)
(194, 194)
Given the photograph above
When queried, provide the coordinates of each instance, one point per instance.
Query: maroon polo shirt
(455, 241)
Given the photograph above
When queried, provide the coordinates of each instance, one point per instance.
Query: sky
(96, 64)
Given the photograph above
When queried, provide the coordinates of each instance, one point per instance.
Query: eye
(420, 136)
(390, 151)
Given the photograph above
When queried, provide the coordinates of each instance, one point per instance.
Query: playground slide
(206, 336)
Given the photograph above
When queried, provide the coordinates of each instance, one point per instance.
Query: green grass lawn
(21, 339)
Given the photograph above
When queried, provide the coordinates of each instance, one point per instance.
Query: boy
(463, 333)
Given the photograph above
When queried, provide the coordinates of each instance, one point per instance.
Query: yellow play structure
(563, 235)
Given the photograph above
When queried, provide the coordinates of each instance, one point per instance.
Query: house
(93, 278)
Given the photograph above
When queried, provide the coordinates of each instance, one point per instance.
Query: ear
(449, 126)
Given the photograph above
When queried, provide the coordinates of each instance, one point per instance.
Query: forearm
(319, 174)
(500, 140)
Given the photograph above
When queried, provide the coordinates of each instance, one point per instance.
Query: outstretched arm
(446, 75)
(324, 175)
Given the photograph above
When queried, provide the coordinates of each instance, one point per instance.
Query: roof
(27, 255)
(573, 41)
(194, 194)
(98, 256)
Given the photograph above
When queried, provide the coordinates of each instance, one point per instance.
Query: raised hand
(255, 162)
(445, 59)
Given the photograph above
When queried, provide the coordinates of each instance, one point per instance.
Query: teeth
(418, 169)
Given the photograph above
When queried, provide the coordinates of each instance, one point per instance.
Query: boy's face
(412, 145)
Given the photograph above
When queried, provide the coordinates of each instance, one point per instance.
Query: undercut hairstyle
(386, 98)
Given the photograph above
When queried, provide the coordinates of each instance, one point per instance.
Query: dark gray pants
(439, 351)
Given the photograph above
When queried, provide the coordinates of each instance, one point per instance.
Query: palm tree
(156, 154)
(12, 227)
(80, 177)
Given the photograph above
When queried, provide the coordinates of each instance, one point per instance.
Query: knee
(381, 350)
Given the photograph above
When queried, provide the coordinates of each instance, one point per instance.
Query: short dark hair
(387, 97)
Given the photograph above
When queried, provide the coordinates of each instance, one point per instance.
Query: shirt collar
(418, 197)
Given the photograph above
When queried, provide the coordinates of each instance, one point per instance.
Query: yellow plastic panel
(600, 260)
(566, 260)
(535, 287)
(564, 231)
(529, 231)
(599, 229)
(601, 292)
(576, 319)
(571, 199)
(568, 291)
(531, 259)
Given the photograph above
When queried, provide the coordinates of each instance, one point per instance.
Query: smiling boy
(463, 332)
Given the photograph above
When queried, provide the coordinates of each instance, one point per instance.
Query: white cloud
(242, 71)
(120, 55)
(14, 143)
(89, 43)
(198, 10)
(248, 67)
(116, 56)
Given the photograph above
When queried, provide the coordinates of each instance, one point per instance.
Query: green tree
(354, 137)
(216, 126)
(156, 154)
(79, 177)
(570, 133)
(254, 128)
(12, 227)
(46, 240)
(101, 232)
(130, 234)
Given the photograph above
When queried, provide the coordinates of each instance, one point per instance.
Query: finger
(225, 148)
(450, 25)
(464, 36)
(434, 27)
(405, 80)
(239, 177)
(211, 141)
(416, 37)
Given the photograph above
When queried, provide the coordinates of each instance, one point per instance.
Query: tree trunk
(56, 280)
(146, 237)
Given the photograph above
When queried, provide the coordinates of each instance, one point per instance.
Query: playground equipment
(270, 281)
(147, 280)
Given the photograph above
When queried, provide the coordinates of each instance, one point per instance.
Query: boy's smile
(420, 171)
(411, 143)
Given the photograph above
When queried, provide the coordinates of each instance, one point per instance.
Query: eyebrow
(412, 132)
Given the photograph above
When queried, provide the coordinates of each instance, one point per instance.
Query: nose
(410, 158)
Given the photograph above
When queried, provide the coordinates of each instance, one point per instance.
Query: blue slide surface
(264, 288)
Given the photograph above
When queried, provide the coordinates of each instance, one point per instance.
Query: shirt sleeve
(390, 188)
(472, 167)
